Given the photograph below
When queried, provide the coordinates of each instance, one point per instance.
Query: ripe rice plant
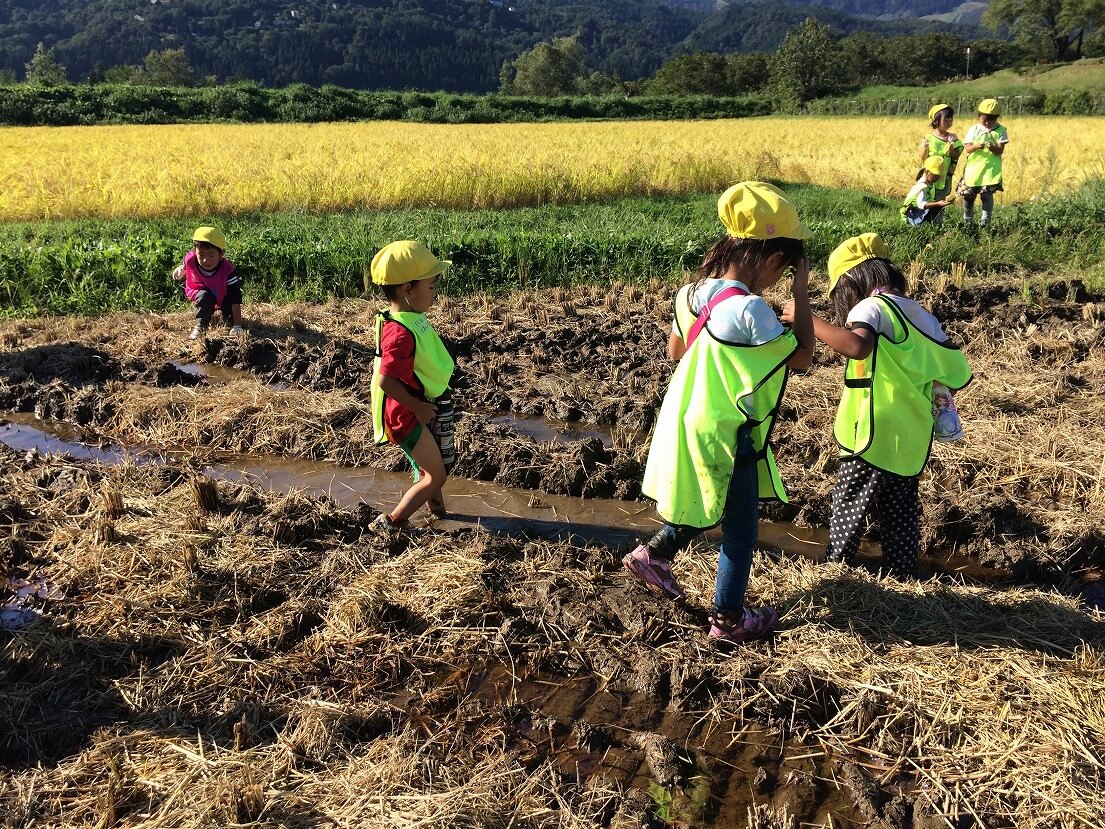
(204, 170)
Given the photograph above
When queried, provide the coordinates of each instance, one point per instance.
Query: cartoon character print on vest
(885, 412)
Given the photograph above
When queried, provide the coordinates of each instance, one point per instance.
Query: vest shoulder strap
(704, 314)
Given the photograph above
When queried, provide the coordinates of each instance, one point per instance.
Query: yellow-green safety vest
(684, 315)
(432, 364)
(983, 168)
(935, 145)
(910, 199)
(716, 389)
(885, 412)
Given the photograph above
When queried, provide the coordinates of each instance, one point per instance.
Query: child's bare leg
(428, 457)
(437, 504)
(236, 314)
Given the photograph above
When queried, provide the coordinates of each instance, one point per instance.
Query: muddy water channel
(496, 509)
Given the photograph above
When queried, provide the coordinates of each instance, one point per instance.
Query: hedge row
(25, 105)
(1056, 102)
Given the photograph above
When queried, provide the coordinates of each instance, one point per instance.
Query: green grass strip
(95, 266)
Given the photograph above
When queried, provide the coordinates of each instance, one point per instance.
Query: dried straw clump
(241, 417)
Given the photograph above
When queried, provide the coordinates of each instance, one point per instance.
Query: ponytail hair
(861, 281)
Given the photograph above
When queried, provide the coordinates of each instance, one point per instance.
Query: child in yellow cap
(921, 203)
(710, 461)
(984, 145)
(944, 144)
(411, 401)
(897, 353)
(211, 282)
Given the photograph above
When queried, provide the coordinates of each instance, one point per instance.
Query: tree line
(448, 45)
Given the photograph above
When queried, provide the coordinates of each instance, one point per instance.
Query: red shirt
(397, 361)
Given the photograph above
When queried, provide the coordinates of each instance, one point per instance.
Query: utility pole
(968, 63)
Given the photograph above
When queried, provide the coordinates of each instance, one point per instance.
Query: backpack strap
(704, 314)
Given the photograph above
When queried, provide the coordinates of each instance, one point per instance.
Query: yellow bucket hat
(935, 108)
(406, 261)
(757, 210)
(934, 164)
(211, 236)
(989, 106)
(852, 252)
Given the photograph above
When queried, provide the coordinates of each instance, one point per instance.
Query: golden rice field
(188, 170)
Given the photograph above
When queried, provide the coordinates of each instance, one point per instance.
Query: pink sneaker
(754, 624)
(653, 573)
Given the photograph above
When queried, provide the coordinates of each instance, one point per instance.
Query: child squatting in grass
(922, 203)
(411, 401)
(211, 282)
(710, 461)
(897, 352)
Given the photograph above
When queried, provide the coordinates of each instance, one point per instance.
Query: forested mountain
(454, 45)
(761, 27)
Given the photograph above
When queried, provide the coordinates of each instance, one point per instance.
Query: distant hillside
(761, 26)
(1082, 77)
(452, 45)
(968, 14)
(888, 9)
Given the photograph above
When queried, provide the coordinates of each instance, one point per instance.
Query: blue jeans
(739, 531)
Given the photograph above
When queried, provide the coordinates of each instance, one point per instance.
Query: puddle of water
(19, 434)
(18, 597)
(213, 373)
(551, 431)
(497, 509)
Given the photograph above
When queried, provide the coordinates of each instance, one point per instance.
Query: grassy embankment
(92, 266)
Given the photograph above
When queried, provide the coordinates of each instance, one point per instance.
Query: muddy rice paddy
(191, 647)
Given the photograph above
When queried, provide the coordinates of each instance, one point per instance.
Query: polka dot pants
(893, 499)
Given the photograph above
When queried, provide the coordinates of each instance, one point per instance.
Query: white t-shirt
(747, 320)
(978, 134)
(916, 196)
(870, 313)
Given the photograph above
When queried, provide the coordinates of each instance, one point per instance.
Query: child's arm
(395, 389)
(854, 344)
(676, 347)
(801, 319)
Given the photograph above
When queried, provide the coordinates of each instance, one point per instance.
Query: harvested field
(217, 656)
(206, 653)
(1023, 493)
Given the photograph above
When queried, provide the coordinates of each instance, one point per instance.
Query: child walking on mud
(411, 401)
(710, 461)
(211, 282)
(884, 425)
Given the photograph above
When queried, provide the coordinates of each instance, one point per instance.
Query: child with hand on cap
(921, 203)
(897, 353)
(211, 282)
(943, 143)
(710, 461)
(984, 144)
(411, 401)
